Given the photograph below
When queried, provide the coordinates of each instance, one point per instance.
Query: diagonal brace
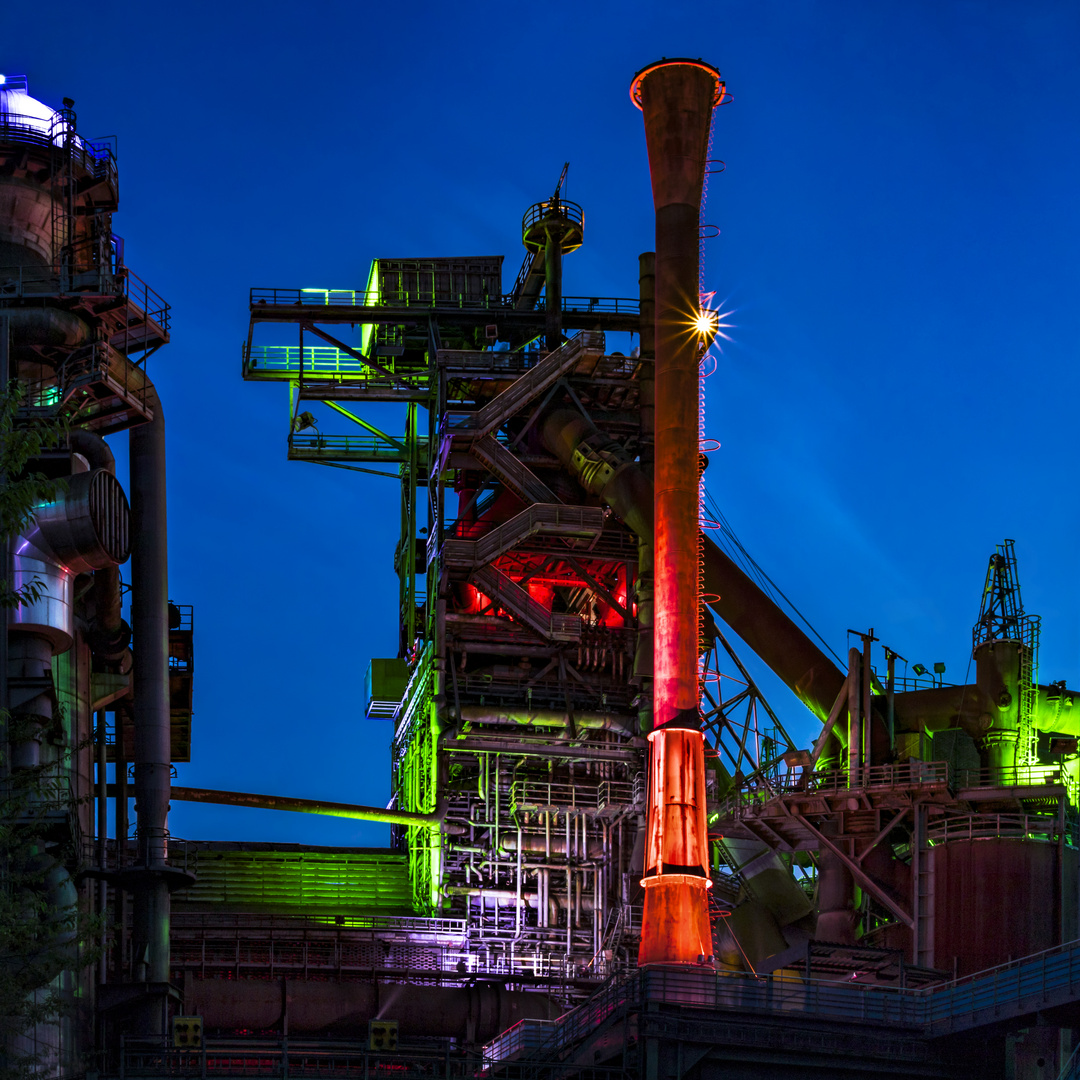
(364, 424)
(856, 871)
(357, 355)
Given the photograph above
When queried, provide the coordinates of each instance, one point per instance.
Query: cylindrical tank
(998, 899)
(58, 191)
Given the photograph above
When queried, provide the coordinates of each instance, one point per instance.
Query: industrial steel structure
(82, 686)
(604, 860)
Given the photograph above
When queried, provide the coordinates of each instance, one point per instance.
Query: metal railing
(911, 775)
(1019, 985)
(39, 281)
(471, 363)
(536, 795)
(293, 1058)
(96, 157)
(1007, 776)
(359, 298)
(554, 210)
(984, 826)
(573, 305)
(316, 360)
(245, 922)
(351, 448)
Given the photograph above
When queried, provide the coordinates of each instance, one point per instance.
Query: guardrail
(983, 826)
(95, 157)
(911, 775)
(351, 447)
(1045, 978)
(537, 795)
(1007, 776)
(261, 296)
(291, 1058)
(1014, 989)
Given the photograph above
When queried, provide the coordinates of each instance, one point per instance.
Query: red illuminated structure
(677, 98)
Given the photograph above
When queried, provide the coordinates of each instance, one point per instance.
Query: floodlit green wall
(276, 882)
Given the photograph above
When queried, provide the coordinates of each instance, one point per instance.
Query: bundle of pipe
(677, 98)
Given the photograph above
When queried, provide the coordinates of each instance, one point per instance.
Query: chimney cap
(679, 61)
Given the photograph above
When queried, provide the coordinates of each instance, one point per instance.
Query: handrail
(20, 127)
(269, 296)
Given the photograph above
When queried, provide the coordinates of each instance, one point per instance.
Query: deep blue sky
(900, 241)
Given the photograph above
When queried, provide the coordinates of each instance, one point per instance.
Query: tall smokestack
(677, 98)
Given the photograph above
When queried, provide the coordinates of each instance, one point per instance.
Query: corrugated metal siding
(293, 882)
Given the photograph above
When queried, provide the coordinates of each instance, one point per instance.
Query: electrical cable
(732, 546)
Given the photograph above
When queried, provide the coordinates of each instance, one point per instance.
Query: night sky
(899, 248)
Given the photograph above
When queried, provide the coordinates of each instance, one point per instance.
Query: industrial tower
(603, 863)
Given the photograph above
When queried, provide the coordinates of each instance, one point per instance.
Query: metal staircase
(578, 524)
(514, 474)
(536, 381)
(529, 283)
(507, 594)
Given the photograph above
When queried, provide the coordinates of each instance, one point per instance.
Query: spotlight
(304, 421)
(919, 669)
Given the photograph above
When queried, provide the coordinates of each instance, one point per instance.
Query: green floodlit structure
(897, 899)
(930, 831)
(882, 853)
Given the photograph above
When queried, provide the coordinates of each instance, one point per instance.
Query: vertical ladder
(922, 879)
(62, 153)
(1026, 751)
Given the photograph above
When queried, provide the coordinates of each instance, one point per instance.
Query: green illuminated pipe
(307, 806)
(554, 718)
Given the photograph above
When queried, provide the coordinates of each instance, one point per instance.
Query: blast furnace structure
(602, 863)
(563, 612)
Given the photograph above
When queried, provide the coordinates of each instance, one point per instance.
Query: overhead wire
(732, 546)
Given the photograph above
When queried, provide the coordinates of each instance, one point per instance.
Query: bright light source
(706, 323)
(3, 79)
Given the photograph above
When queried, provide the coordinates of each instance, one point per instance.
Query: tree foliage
(21, 440)
(44, 937)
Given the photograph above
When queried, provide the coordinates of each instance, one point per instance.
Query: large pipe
(553, 254)
(150, 635)
(604, 468)
(676, 98)
(552, 718)
(306, 806)
(109, 634)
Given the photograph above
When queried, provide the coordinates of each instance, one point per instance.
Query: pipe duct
(150, 677)
(676, 99)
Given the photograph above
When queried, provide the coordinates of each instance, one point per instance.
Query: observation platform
(131, 316)
(1013, 800)
(351, 448)
(352, 306)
